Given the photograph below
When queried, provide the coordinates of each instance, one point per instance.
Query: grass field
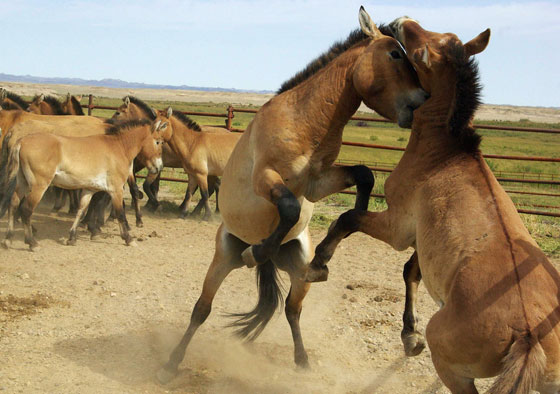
(546, 230)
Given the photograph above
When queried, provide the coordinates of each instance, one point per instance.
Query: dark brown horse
(10, 100)
(499, 295)
(46, 105)
(284, 162)
(94, 163)
(71, 106)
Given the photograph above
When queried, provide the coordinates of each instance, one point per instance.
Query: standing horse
(95, 163)
(134, 108)
(10, 100)
(201, 154)
(71, 106)
(284, 162)
(499, 294)
(46, 105)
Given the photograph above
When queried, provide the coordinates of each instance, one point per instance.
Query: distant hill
(115, 83)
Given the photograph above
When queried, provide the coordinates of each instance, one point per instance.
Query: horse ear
(3, 93)
(367, 25)
(154, 112)
(126, 101)
(79, 98)
(68, 96)
(478, 44)
(41, 98)
(169, 112)
(424, 56)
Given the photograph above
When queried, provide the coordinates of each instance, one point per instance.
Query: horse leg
(292, 258)
(150, 187)
(135, 195)
(411, 338)
(227, 257)
(59, 199)
(84, 202)
(269, 184)
(73, 201)
(12, 209)
(379, 225)
(191, 188)
(202, 181)
(118, 206)
(95, 208)
(26, 208)
(214, 186)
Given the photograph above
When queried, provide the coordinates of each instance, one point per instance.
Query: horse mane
(119, 128)
(16, 99)
(53, 102)
(467, 98)
(76, 106)
(323, 60)
(191, 124)
(143, 106)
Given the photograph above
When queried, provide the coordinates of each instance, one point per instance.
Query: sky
(257, 45)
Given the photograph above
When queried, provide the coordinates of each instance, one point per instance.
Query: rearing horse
(499, 295)
(284, 162)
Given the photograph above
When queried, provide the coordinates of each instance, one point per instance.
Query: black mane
(53, 102)
(119, 128)
(320, 62)
(191, 124)
(76, 106)
(467, 98)
(143, 106)
(16, 99)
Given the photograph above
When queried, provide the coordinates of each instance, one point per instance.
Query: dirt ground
(103, 317)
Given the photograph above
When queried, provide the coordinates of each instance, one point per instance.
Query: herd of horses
(499, 295)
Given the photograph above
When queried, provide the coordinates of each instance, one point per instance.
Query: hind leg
(413, 341)
(227, 257)
(26, 208)
(59, 199)
(292, 258)
(84, 202)
(118, 207)
(191, 188)
(12, 209)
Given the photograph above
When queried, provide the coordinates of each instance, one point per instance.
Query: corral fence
(551, 181)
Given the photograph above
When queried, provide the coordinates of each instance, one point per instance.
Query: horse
(283, 163)
(10, 100)
(46, 105)
(94, 163)
(202, 154)
(134, 108)
(71, 106)
(498, 292)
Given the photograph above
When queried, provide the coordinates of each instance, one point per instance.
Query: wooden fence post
(90, 105)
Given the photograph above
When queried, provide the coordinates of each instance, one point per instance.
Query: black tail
(4, 154)
(252, 323)
(9, 174)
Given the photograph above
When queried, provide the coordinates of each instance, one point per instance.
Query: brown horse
(94, 163)
(499, 294)
(134, 108)
(46, 105)
(10, 100)
(71, 106)
(284, 162)
(202, 154)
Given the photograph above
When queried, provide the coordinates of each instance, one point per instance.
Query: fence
(554, 179)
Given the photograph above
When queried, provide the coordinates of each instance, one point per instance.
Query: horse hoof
(316, 274)
(95, 237)
(164, 376)
(248, 257)
(132, 244)
(34, 248)
(70, 242)
(6, 244)
(139, 224)
(413, 344)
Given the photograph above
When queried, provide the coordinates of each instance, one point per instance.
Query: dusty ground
(486, 111)
(103, 317)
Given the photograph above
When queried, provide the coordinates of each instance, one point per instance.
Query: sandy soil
(103, 317)
(486, 111)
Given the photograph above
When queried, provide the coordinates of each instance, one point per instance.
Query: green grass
(545, 230)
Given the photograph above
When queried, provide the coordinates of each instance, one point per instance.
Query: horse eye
(395, 54)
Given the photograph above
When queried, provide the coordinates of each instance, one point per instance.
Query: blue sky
(257, 45)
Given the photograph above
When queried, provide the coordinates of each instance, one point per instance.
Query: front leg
(412, 340)
(136, 195)
(149, 189)
(336, 179)
(379, 225)
(269, 184)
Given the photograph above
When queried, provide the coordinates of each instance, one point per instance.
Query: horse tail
(523, 366)
(12, 168)
(252, 323)
(4, 155)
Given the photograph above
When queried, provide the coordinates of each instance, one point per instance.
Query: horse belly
(68, 180)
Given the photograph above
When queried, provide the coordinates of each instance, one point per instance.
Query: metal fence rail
(229, 115)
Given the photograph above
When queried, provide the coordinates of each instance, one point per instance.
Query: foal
(499, 294)
(284, 162)
(95, 163)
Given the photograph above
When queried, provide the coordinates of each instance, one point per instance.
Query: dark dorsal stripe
(16, 99)
(323, 60)
(145, 108)
(467, 98)
(76, 106)
(191, 124)
(125, 126)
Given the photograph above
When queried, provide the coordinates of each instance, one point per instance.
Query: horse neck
(131, 141)
(183, 138)
(329, 97)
